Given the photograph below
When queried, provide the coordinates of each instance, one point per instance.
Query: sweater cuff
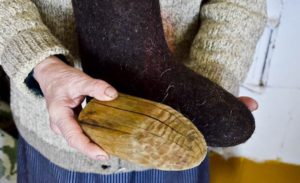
(27, 49)
(224, 46)
(219, 74)
(223, 69)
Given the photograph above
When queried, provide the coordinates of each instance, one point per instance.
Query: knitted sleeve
(224, 46)
(24, 39)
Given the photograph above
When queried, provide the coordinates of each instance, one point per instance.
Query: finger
(55, 129)
(99, 89)
(249, 102)
(75, 137)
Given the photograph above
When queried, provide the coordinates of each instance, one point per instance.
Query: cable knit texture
(217, 40)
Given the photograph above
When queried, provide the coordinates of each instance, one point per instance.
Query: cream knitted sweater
(217, 40)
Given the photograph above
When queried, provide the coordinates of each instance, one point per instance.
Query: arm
(224, 46)
(26, 45)
(24, 40)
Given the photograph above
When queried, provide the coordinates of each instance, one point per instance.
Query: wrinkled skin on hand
(64, 88)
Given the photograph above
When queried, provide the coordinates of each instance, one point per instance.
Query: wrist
(44, 66)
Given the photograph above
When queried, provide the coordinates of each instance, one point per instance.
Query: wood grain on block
(144, 132)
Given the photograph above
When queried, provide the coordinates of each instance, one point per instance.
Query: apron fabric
(35, 168)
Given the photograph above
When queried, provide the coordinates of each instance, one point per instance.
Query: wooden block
(144, 132)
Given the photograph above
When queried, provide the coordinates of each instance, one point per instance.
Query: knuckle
(59, 123)
(75, 88)
(53, 120)
(97, 83)
(71, 141)
(70, 136)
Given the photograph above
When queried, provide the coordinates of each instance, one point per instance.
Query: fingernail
(254, 107)
(102, 157)
(111, 92)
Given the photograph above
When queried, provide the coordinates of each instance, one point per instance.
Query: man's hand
(249, 102)
(64, 88)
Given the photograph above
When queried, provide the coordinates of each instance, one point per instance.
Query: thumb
(249, 102)
(99, 89)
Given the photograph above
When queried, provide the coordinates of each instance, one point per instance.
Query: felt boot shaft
(123, 43)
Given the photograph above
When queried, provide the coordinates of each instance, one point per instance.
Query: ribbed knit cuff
(224, 46)
(223, 69)
(27, 49)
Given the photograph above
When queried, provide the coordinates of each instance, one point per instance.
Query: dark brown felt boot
(123, 43)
